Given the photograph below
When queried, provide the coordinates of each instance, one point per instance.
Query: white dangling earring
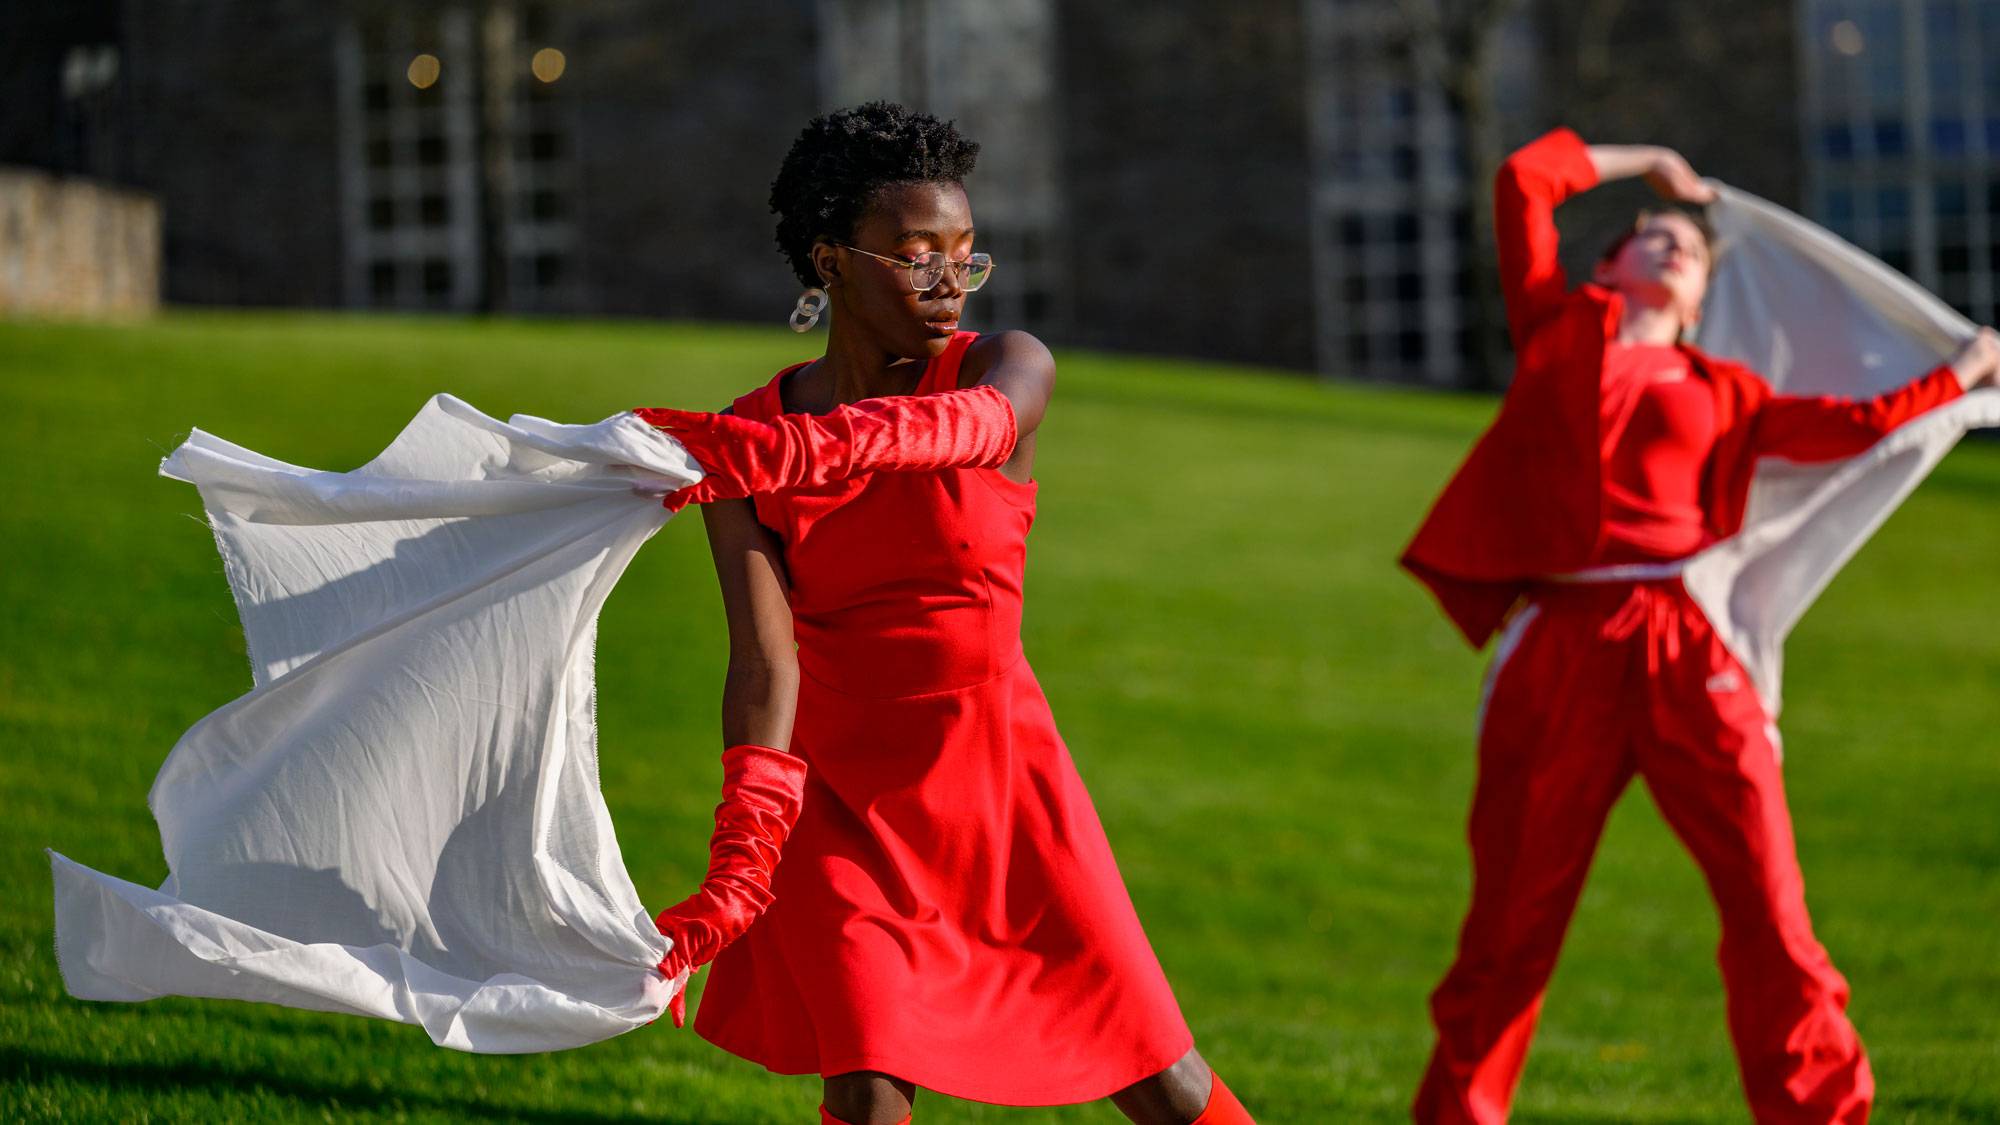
(805, 314)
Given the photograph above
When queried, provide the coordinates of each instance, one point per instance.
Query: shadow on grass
(20, 1066)
(1599, 1117)
(1939, 1107)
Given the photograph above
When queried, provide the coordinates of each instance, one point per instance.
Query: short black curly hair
(841, 159)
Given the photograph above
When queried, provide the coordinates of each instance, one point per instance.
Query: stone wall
(72, 248)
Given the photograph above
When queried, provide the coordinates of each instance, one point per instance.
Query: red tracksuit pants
(1592, 684)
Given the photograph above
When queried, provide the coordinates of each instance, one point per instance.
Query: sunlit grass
(1275, 725)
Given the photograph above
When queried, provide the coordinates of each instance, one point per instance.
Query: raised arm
(1530, 185)
(763, 786)
(1539, 177)
(1826, 428)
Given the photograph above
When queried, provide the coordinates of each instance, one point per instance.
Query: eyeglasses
(928, 268)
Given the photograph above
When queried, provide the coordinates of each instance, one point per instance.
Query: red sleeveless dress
(947, 909)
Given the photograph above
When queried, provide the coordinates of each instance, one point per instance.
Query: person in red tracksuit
(1619, 452)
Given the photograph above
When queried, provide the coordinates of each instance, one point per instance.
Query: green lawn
(1275, 723)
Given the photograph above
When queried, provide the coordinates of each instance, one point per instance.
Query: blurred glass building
(1301, 183)
(1901, 113)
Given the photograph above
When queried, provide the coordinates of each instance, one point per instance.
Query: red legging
(1593, 684)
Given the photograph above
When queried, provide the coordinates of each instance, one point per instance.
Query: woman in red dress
(1618, 453)
(947, 914)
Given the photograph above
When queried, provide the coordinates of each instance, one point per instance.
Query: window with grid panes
(408, 160)
(539, 195)
(425, 95)
(1389, 203)
(1902, 135)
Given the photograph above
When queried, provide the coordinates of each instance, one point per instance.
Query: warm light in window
(424, 71)
(548, 64)
(1846, 38)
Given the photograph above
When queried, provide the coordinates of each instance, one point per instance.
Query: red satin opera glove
(762, 790)
(970, 428)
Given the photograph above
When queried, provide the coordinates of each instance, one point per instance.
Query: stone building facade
(297, 162)
(1297, 183)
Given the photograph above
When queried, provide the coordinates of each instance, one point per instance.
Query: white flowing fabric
(1815, 315)
(402, 819)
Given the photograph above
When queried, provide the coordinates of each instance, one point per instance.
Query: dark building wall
(234, 123)
(685, 111)
(228, 111)
(37, 128)
(1185, 157)
(1716, 80)
(1184, 162)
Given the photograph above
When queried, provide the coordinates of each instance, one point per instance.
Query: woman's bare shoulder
(1014, 349)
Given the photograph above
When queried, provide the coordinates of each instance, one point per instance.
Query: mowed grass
(1275, 723)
